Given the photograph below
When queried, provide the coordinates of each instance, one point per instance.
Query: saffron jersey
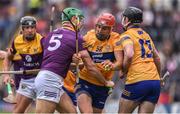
(70, 81)
(99, 52)
(142, 66)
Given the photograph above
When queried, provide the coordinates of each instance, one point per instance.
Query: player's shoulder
(122, 37)
(90, 32)
(18, 38)
(115, 35)
(89, 35)
(125, 36)
(38, 35)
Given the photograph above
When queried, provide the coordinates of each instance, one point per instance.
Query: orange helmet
(106, 19)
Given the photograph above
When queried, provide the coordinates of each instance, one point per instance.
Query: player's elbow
(129, 54)
(129, 51)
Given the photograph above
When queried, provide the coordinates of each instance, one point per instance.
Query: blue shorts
(143, 91)
(98, 94)
(71, 95)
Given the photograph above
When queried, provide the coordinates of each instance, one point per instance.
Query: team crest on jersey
(99, 49)
(28, 58)
(35, 50)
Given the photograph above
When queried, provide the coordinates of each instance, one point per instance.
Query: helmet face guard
(105, 21)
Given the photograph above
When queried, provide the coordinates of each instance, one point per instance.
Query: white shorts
(49, 86)
(27, 88)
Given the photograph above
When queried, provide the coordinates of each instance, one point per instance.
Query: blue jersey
(59, 47)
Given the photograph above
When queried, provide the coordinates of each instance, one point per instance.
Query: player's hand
(109, 84)
(9, 50)
(162, 82)
(2, 54)
(121, 74)
(8, 79)
(107, 65)
(76, 58)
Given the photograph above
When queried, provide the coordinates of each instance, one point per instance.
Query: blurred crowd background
(161, 20)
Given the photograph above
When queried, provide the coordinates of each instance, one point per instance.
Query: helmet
(68, 13)
(134, 14)
(106, 19)
(28, 21)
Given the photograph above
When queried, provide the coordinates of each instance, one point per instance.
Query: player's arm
(119, 60)
(90, 65)
(73, 65)
(2, 54)
(117, 65)
(118, 53)
(157, 61)
(7, 64)
(128, 49)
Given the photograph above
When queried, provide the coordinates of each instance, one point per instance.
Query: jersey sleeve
(88, 42)
(81, 43)
(126, 40)
(117, 45)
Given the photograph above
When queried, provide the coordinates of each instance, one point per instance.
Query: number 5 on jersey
(54, 42)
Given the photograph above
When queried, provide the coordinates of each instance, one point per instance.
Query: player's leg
(84, 102)
(84, 99)
(24, 95)
(41, 104)
(149, 102)
(30, 108)
(63, 106)
(99, 98)
(22, 103)
(127, 106)
(146, 107)
(66, 105)
(131, 97)
(97, 110)
(49, 91)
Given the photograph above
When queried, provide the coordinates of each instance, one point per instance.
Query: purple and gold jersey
(99, 52)
(142, 67)
(27, 55)
(59, 47)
